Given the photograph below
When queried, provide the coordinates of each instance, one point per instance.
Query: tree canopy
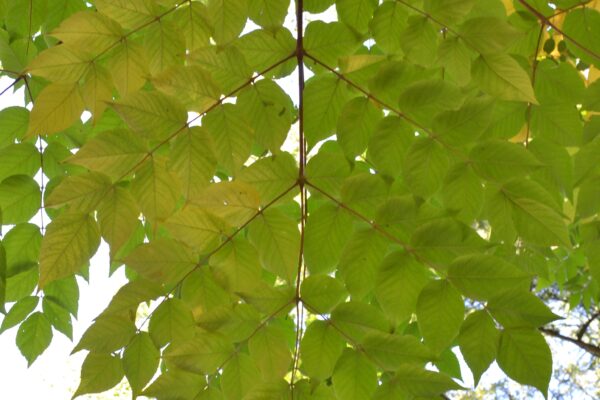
(315, 208)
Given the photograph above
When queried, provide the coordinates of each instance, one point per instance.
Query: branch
(586, 325)
(590, 348)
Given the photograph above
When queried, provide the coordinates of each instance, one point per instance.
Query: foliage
(437, 170)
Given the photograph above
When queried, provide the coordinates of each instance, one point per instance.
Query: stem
(533, 74)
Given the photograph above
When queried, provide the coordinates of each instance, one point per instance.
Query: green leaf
(3, 267)
(425, 165)
(354, 377)
(356, 13)
(320, 348)
(165, 47)
(327, 231)
(82, 192)
(356, 319)
(421, 382)
(524, 356)
(58, 316)
(99, 373)
(355, 125)
(13, 124)
(478, 341)
(277, 240)
(227, 19)
(20, 199)
(391, 351)
(162, 260)
(239, 376)
(268, 14)
(420, 40)
(270, 351)
(128, 13)
(262, 49)
(271, 176)
(463, 192)
(389, 144)
(400, 279)
(175, 384)
(71, 240)
(88, 30)
(140, 361)
(488, 35)
(18, 312)
(327, 42)
(198, 229)
(191, 84)
(497, 160)
(34, 336)
(322, 293)
(482, 276)
(440, 313)
(152, 115)
(231, 134)
(205, 353)
(171, 322)
(359, 261)
(154, 178)
(448, 10)
(559, 123)
(107, 334)
(113, 153)
(324, 98)
(581, 25)
(387, 25)
(118, 217)
(501, 76)
(56, 108)
(426, 98)
(517, 309)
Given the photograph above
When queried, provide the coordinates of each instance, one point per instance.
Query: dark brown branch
(590, 348)
(583, 329)
(546, 21)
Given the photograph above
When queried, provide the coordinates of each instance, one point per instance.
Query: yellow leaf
(56, 108)
(88, 30)
(97, 90)
(60, 64)
(128, 67)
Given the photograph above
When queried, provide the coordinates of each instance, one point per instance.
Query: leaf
(3, 267)
(71, 240)
(233, 201)
(192, 85)
(162, 260)
(59, 317)
(20, 199)
(525, 357)
(165, 47)
(440, 313)
(34, 336)
(329, 41)
(356, 124)
(327, 231)
(56, 108)
(107, 334)
(483, 276)
(88, 30)
(118, 217)
(324, 97)
(354, 377)
(320, 348)
(227, 19)
(231, 134)
(424, 166)
(128, 13)
(356, 319)
(18, 312)
(140, 361)
(13, 124)
(387, 25)
(113, 153)
(175, 384)
(172, 321)
(263, 49)
(391, 351)
(129, 67)
(497, 159)
(271, 176)
(198, 229)
(239, 376)
(520, 309)
(202, 354)
(268, 14)
(501, 76)
(478, 341)
(420, 382)
(277, 240)
(582, 26)
(154, 178)
(270, 351)
(152, 115)
(82, 192)
(356, 13)
(60, 64)
(400, 279)
(99, 373)
(322, 293)
(488, 35)
(538, 223)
